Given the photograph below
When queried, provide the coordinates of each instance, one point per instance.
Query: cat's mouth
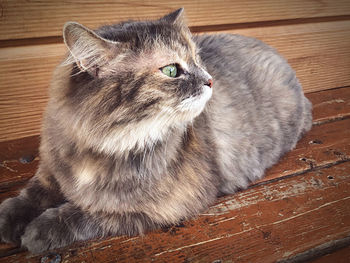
(195, 104)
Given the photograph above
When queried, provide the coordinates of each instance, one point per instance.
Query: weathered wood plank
(321, 62)
(31, 19)
(262, 224)
(18, 163)
(325, 144)
(330, 104)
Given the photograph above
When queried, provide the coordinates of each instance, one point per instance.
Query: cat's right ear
(176, 17)
(88, 50)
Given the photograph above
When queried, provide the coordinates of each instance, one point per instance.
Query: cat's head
(133, 82)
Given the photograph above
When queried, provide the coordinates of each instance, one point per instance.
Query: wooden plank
(262, 224)
(25, 74)
(18, 162)
(325, 144)
(31, 19)
(314, 51)
(329, 105)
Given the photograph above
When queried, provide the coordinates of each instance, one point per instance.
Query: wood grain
(314, 50)
(329, 105)
(32, 19)
(25, 73)
(262, 224)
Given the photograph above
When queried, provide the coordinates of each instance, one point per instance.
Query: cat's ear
(176, 17)
(88, 50)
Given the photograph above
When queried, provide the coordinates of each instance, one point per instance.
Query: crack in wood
(334, 119)
(315, 168)
(4, 165)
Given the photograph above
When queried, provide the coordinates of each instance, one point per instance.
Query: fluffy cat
(146, 125)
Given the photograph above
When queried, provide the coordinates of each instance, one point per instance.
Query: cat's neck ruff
(141, 136)
(168, 124)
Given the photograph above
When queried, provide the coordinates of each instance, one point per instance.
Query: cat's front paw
(15, 215)
(46, 232)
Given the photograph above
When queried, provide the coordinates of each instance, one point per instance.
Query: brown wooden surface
(330, 105)
(302, 203)
(32, 19)
(321, 62)
(262, 224)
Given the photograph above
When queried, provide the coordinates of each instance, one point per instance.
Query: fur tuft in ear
(88, 50)
(176, 17)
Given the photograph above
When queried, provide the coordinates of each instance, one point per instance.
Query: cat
(146, 125)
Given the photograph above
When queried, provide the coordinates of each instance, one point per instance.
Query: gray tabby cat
(146, 125)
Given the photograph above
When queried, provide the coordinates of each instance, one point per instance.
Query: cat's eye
(170, 71)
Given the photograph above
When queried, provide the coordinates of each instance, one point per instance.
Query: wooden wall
(313, 35)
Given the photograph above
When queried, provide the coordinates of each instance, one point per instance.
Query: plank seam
(318, 251)
(334, 119)
(311, 169)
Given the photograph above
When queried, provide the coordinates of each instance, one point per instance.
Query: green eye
(170, 71)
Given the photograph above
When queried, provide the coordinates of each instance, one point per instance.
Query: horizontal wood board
(32, 19)
(319, 52)
(263, 224)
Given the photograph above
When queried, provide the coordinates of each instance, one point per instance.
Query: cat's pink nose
(210, 83)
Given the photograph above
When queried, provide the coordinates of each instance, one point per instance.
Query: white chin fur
(194, 105)
(149, 131)
(142, 134)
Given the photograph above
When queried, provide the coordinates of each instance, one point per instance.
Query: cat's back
(257, 111)
(233, 56)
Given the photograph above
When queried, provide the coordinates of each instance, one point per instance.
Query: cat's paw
(15, 215)
(46, 232)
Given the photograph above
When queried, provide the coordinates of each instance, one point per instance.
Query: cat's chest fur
(177, 178)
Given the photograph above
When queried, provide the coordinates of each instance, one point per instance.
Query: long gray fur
(126, 149)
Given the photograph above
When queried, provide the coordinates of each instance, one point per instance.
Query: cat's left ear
(89, 51)
(177, 17)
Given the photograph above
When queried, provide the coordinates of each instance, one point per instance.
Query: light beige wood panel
(319, 52)
(25, 73)
(39, 18)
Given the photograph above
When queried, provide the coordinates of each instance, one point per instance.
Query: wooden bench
(299, 212)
